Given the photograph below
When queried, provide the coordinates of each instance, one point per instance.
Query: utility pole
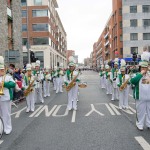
(28, 41)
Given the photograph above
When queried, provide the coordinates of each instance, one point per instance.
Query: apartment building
(136, 26)
(10, 35)
(43, 32)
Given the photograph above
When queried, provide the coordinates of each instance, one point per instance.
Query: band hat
(123, 65)
(106, 66)
(47, 69)
(2, 62)
(55, 68)
(71, 61)
(28, 67)
(144, 60)
(37, 63)
(116, 61)
(102, 66)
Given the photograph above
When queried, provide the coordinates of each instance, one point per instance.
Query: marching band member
(59, 75)
(113, 77)
(38, 82)
(6, 95)
(28, 79)
(108, 81)
(123, 84)
(54, 74)
(46, 83)
(141, 93)
(68, 78)
(101, 74)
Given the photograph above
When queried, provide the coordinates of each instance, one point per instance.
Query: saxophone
(29, 89)
(72, 83)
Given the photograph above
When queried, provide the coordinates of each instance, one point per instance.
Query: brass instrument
(72, 83)
(124, 85)
(29, 89)
(2, 89)
(47, 77)
(82, 85)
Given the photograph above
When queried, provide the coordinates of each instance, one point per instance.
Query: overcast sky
(83, 21)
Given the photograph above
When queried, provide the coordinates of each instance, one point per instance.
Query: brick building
(10, 37)
(43, 30)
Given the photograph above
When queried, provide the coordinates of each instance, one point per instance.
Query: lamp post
(28, 41)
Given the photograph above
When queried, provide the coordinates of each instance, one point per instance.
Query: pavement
(98, 124)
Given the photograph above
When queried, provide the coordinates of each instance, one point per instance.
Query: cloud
(83, 21)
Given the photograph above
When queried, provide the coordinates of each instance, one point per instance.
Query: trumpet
(2, 89)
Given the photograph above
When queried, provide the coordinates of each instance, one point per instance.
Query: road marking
(144, 144)
(18, 112)
(47, 113)
(73, 116)
(36, 111)
(114, 108)
(56, 111)
(133, 110)
(110, 110)
(1, 141)
(92, 110)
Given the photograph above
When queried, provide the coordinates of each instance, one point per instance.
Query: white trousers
(5, 113)
(54, 82)
(143, 113)
(123, 98)
(72, 98)
(108, 87)
(102, 82)
(46, 88)
(30, 101)
(38, 95)
(58, 84)
(115, 93)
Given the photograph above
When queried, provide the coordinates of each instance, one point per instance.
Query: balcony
(106, 35)
(106, 44)
(9, 12)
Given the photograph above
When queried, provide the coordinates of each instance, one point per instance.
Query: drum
(1, 127)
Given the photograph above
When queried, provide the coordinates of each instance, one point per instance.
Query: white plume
(71, 59)
(123, 63)
(145, 56)
(116, 60)
(1, 60)
(38, 61)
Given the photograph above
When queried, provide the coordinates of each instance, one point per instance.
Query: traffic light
(134, 56)
(32, 56)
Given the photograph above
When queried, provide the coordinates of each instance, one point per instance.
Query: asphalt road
(98, 124)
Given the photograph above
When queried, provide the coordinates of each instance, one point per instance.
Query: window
(121, 51)
(133, 36)
(120, 11)
(24, 41)
(40, 27)
(146, 36)
(134, 49)
(121, 37)
(133, 9)
(39, 13)
(41, 41)
(24, 13)
(146, 22)
(37, 2)
(23, 2)
(24, 27)
(146, 8)
(133, 23)
(120, 24)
